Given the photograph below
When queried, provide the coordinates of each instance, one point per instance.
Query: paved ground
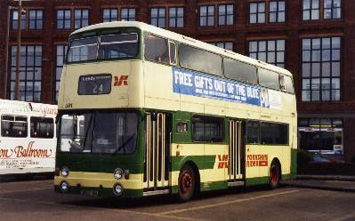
(325, 182)
(35, 200)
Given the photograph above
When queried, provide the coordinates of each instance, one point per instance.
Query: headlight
(64, 186)
(117, 189)
(118, 173)
(65, 171)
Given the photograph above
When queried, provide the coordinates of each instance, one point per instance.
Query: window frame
(332, 8)
(207, 16)
(130, 11)
(158, 17)
(11, 131)
(167, 47)
(223, 44)
(177, 17)
(61, 23)
(50, 135)
(81, 20)
(259, 133)
(204, 119)
(110, 18)
(59, 63)
(278, 12)
(225, 15)
(38, 21)
(309, 79)
(31, 73)
(269, 52)
(257, 13)
(220, 74)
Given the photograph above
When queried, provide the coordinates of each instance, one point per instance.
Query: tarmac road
(36, 200)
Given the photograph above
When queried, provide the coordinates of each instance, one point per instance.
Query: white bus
(27, 138)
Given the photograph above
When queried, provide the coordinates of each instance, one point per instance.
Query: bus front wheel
(187, 182)
(275, 174)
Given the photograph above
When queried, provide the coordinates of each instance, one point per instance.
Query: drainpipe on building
(7, 51)
(18, 55)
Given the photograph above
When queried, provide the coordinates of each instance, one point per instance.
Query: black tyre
(275, 175)
(187, 182)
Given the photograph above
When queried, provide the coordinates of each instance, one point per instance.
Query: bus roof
(183, 39)
(23, 107)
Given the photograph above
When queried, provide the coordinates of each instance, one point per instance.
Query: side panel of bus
(27, 144)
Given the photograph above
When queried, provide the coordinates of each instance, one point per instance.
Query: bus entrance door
(156, 154)
(235, 175)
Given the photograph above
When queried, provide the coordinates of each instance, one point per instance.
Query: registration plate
(90, 192)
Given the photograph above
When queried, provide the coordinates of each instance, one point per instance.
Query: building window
(35, 19)
(257, 12)
(61, 51)
(157, 17)
(14, 20)
(81, 18)
(322, 135)
(64, 19)
(321, 63)
(225, 14)
(270, 51)
(276, 11)
(332, 9)
(310, 10)
(109, 14)
(30, 73)
(176, 17)
(224, 44)
(207, 15)
(33, 16)
(128, 14)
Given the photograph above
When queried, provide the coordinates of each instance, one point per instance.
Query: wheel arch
(276, 161)
(196, 172)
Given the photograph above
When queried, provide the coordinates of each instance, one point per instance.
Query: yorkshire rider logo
(121, 80)
(222, 161)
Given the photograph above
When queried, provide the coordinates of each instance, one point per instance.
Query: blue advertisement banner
(196, 84)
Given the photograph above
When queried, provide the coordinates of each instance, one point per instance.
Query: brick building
(314, 39)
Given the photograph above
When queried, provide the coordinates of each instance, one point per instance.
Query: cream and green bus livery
(145, 111)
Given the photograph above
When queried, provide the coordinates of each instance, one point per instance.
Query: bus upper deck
(141, 65)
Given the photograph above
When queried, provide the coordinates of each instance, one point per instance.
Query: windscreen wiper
(124, 144)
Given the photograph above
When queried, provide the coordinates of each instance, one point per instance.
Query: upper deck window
(286, 84)
(103, 47)
(84, 49)
(118, 46)
(156, 49)
(239, 71)
(269, 79)
(200, 60)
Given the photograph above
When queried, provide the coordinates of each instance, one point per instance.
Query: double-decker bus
(28, 137)
(145, 111)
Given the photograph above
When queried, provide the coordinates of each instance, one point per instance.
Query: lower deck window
(42, 127)
(271, 133)
(13, 126)
(266, 133)
(207, 129)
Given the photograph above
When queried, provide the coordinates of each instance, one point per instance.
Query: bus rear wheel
(275, 174)
(187, 182)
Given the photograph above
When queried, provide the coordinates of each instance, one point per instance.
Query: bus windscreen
(103, 47)
(96, 132)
